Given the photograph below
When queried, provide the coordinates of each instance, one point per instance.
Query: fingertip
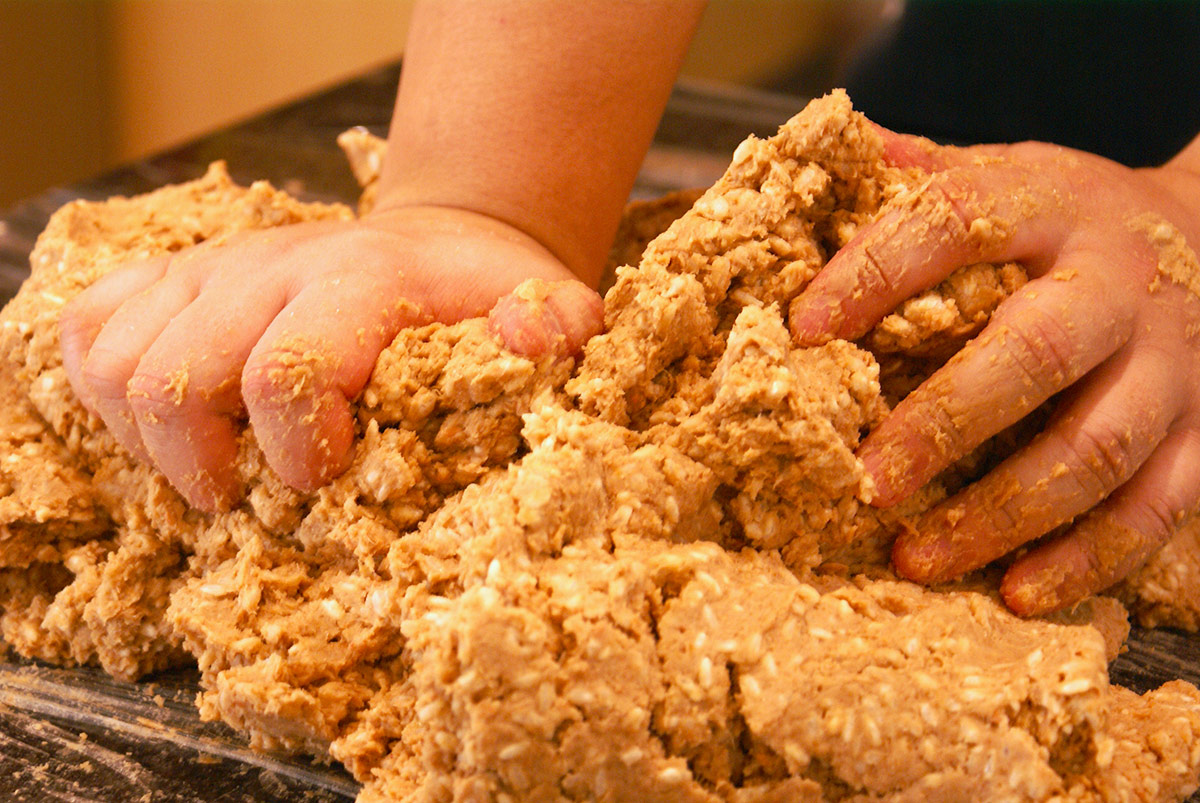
(1098, 551)
(78, 328)
(84, 316)
(320, 450)
(1020, 597)
(1032, 587)
(306, 433)
(210, 492)
(306, 459)
(309, 477)
(579, 312)
(314, 357)
(194, 449)
(813, 319)
(506, 323)
(882, 491)
(919, 558)
(946, 542)
(844, 300)
(540, 317)
(104, 391)
(906, 150)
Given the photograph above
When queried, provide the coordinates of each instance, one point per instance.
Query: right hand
(1107, 324)
(285, 326)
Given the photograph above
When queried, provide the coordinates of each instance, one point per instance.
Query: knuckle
(279, 375)
(1008, 517)
(944, 427)
(1042, 349)
(948, 200)
(875, 278)
(157, 396)
(1031, 151)
(1157, 518)
(106, 374)
(1100, 458)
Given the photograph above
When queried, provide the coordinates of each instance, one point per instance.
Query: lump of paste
(649, 575)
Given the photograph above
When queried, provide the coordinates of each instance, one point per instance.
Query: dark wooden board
(78, 736)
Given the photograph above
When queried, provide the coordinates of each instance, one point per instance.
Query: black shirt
(1121, 79)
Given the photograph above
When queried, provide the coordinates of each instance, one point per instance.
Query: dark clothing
(1121, 79)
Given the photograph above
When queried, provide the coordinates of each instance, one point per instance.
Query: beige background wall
(86, 85)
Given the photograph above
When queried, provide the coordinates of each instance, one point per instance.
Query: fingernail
(918, 557)
(939, 548)
(812, 319)
(1033, 592)
(541, 318)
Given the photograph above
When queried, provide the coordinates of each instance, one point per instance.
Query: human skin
(1108, 325)
(518, 131)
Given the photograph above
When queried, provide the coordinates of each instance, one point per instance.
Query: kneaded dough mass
(649, 575)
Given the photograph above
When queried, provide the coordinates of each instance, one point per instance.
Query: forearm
(534, 113)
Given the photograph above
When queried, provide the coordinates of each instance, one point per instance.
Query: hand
(1108, 322)
(285, 325)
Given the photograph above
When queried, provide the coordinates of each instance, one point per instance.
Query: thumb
(907, 150)
(540, 317)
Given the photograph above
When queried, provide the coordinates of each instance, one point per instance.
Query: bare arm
(517, 135)
(537, 114)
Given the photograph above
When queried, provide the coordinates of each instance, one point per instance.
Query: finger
(84, 317)
(1001, 212)
(185, 394)
(1096, 443)
(541, 317)
(310, 362)
(116, 351)
(1041, 340)
(1115, 538)
(906, 150)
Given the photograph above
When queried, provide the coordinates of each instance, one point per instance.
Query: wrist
(546, 221)
(1180, 179)
(477, 237)
(1181, 175)
(535, 114)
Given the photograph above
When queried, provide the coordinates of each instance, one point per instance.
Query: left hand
(1109, 320)
(283, 327)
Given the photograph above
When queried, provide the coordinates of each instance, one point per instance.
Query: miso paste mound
(648, 576)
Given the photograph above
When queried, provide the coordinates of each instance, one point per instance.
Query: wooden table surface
(78, 736)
